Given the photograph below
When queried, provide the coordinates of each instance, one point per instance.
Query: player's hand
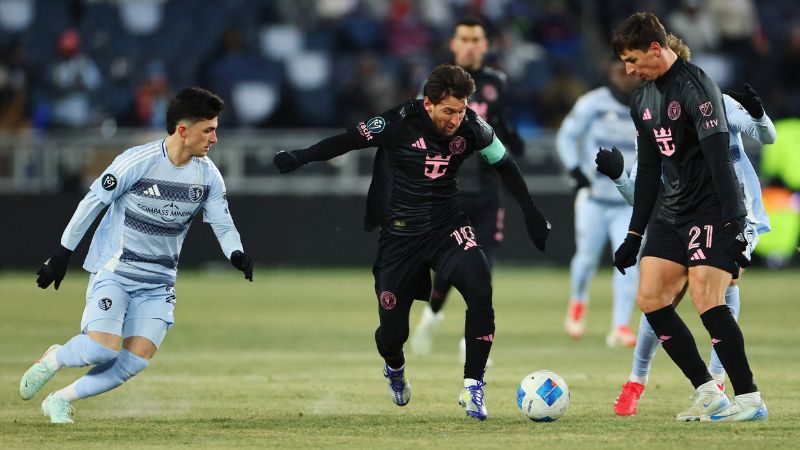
(241, 261)
(626, 254)
(54, 269)
(610, 162)
(538, 229)
(733, 235)
(286, 161)
(580, 179)
(750, 100)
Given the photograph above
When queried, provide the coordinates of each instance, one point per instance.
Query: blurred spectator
(693, 23)
(789, 68)
(407, 33)
(16, 15)
(15, 82)
(737, 22)
(559, 94)
(369, 91)
(73, 77)
(152, 97)
(141, 16)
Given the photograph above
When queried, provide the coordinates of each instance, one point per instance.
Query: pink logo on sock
(487, 338)
(664, 338)
(715, 341)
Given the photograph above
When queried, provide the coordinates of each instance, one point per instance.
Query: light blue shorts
(123, 307)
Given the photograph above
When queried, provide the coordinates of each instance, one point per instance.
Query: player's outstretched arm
(538, 227)
(748, 116)
(611, 164)
(328, 148)
(54, 268)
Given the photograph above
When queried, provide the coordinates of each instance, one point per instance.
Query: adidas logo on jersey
(698, 255)
(153, 191)
(646, 114)
(420, 144)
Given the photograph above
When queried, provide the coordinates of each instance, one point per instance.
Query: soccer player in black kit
(682, 136)
(479, 186)
(422, 225)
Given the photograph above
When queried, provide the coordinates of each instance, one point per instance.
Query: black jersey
(490, 102)
(672, 114)
(422, 164)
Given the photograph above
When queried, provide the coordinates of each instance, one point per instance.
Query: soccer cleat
(621, 336)
(462, 353)
(399, 387)
(708, 400)
(745, 408)
(575, 322)
(422, 339)
(471, 399)
(625, 404)
(57, 409)
(37, 376)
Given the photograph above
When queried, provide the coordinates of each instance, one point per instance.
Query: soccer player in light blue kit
(600, 118)
(153, 192)
(745, 114)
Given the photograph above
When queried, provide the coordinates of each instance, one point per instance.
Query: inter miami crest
(196, 193)
(104, 303)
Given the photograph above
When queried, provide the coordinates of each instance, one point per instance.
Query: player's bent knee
(129, 364)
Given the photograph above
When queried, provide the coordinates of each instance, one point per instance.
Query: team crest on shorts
(388, 300)
(458, 145)
(104, 303)
(196, 193)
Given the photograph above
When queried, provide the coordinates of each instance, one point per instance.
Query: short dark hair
(470, 21)
(193, 104)
(637, 32)
(447, 80)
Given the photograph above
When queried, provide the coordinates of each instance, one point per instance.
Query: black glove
(610, 162)
(734, 240)
(287, 161)
(580, 179)
(54, 268)
(750, 100)
(626, 254)
(538, 229)
(243, 262)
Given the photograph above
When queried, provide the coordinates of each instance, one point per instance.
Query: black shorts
(697, 243)
(487, 217)
(402, 266)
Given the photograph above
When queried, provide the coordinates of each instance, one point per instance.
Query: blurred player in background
(422, 225)
(745, 114)
(600, 118)
(153, 192)
(479, 186)
(698, 235)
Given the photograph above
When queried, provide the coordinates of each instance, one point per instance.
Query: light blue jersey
(151, 205)
(739, 121)
(597, 120)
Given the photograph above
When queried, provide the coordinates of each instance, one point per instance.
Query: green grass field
(289, 361)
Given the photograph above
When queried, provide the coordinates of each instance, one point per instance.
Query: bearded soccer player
(479, 186)
(153, 191)
(698, 235)
(422, 225)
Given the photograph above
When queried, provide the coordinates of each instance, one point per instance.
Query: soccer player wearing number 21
(422, 226)
(153, 192)
(698, 235)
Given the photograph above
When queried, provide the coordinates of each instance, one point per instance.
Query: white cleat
(621, 336)
(708, 400)
(745, 408)
(57, 409)
(422, 339)
(575, 321)
(471, 399)
(399, 387)
(34, 379)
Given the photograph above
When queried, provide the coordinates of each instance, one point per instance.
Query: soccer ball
(543, 396)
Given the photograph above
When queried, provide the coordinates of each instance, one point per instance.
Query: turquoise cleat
(57, 409)
(37, 376)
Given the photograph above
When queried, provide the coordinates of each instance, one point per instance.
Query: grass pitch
(289, 361)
